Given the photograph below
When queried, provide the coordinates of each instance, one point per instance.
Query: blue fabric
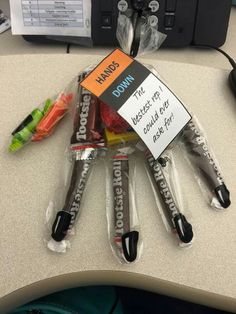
(88, 300)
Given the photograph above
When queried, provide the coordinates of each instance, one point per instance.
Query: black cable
(137, 24)
(68, 48)
(231, 60)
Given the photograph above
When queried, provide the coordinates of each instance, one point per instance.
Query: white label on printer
(44, 17)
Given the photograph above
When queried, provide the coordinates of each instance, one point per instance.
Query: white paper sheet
(44, 17)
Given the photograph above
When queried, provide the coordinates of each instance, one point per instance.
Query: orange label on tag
(106, 72)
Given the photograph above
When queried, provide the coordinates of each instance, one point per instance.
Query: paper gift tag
(142, 99)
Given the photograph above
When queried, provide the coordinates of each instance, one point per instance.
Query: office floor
(108, 299)
(142, 302)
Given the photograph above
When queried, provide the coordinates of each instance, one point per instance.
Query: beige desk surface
(17, 45)
(205, 273)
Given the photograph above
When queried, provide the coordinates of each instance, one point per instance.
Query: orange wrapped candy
(53, 116)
